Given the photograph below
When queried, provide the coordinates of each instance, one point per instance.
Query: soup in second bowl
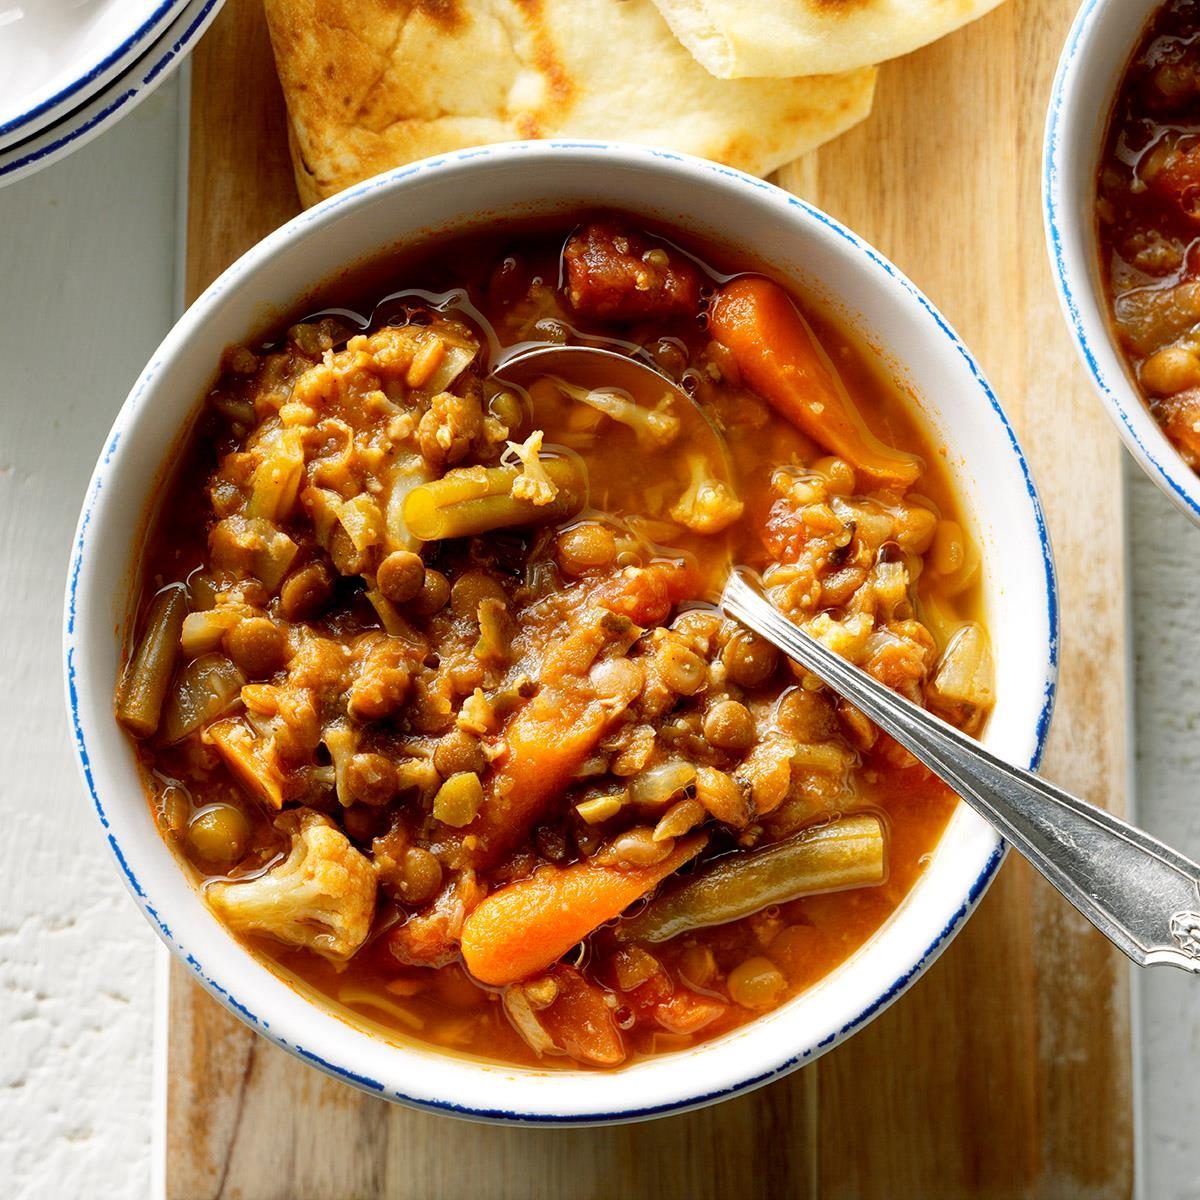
(1148, 212)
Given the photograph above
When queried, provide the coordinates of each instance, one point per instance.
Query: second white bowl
(1098, 49)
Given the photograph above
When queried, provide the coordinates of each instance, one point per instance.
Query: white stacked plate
(71, 68)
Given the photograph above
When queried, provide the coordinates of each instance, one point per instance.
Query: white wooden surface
(1164, 576)
(87, 253)
(87, 283)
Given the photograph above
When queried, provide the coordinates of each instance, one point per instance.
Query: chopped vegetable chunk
(779, 357)
(528, 925)
(321, 896)
(619, 274)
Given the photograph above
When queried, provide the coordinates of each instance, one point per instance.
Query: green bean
(144, 686)
(847, 853)
(473, 500)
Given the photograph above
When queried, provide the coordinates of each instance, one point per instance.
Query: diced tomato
(785, 533)
(1179, 176)
(581, 1022)
(622, 276)
(646, 595)
(645, 998)
(424, 940)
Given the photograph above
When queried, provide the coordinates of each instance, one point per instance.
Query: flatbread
(734, 39)
(371, 84)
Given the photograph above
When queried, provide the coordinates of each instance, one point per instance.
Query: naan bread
(371, 84)
(738, 38)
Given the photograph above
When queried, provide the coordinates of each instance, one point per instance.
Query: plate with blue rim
(56, 54)
(114, 100)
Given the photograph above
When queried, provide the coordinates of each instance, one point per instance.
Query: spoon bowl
(657, 433)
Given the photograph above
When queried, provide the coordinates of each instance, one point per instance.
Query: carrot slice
(526, 926)
(547, 741)
(780, 358)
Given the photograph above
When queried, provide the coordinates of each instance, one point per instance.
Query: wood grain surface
(1006, 1071)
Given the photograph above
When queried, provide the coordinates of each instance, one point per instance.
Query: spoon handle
(1142, 895)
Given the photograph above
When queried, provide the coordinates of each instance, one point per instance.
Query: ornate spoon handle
(1142, 895)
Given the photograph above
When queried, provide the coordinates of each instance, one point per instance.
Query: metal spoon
(1144, 896)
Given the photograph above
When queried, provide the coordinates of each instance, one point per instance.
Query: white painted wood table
(89, 248)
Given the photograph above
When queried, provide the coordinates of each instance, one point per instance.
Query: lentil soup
(1148, 215)
(429, 690)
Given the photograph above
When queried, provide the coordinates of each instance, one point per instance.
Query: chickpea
(638, 848)
(749, 660)
(585, 547)
(420, 876)
(837, 474)
(680, 668)
(618, 680)
(948, 552)
(219, 834)
(400, 576)
(756, 983)
(507, 408)
(806, 716)
(699, 627)
(794, 950)
(371, 778)
(258, 646)
(915, 529)
(728, 725)
(1169, 370)
(360, 822)
(305, 592)
(433, 596)
(458, 751)
(470, 590)
(458, 800)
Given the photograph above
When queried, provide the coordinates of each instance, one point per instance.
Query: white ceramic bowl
(1101, 42)
(808, 250)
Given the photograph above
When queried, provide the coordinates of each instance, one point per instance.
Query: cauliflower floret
(533, 484)
(654, 427)
(847, 637)
(451, 424)
(709, 505)
(321, 897)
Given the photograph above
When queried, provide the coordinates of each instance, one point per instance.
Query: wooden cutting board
(1006, 1071)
